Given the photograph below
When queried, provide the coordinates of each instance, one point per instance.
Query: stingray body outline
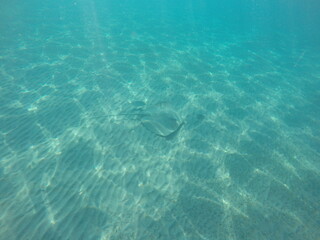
(159, 119)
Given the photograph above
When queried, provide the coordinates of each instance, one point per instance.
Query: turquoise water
(77, 160)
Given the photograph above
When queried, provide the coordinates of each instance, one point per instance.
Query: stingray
(159, 119)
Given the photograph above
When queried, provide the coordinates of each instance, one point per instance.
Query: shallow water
(245, 77)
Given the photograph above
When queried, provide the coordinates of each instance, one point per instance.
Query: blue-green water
(243, 76)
